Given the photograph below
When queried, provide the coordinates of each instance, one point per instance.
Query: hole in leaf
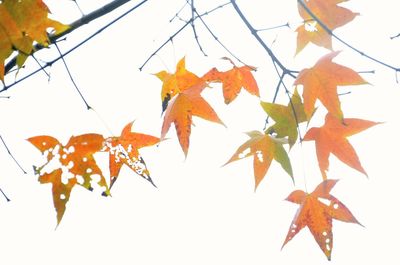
(260, 156)
(70, 164)
(244, 153)
(324, 201)
(311, 26)
(80, 179)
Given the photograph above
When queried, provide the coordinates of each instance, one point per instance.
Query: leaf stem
(71, 78)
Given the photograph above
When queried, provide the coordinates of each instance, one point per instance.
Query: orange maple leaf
(75, 162)
(329, 13)
(180, 111)
(9, 36)
(331, 138)
(175, 83)
(321, 82)
(124, 149)
(264, 148)
(21, 24)
(316, 211)
(233, 80)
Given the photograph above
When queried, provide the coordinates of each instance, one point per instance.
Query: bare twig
(71, 78)
(275, 96)
(79, 8)
(275, 27)
(396, 36)
(196, 37)
(41, 67)
(5, 196)
(179, 11)
(217, 39)
(170, 39)
(162, 45)
(12, 156)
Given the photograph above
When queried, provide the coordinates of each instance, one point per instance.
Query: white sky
(201, 213)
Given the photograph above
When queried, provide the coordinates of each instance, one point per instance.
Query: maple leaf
(175, 83)
(75, 162)
(9, 34)
(233, 80)
(331, 138)
(286, 120)
(180, 111)
(124, 149)
(321, 82)
(21, 24)
(264, 148)
(316, 211)
(329, 13)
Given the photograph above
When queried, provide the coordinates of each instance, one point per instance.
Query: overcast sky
(201, 213)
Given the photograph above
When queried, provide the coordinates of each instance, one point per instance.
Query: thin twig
(367, 72)
(79, 8)
(12, 156)
(5, 196)
(275, 27)
(179, 11)
(396, 36)
(71, 78)
(75, 47)
(291, 104)
(275, 96)
(41, 67)
(329, 31)
(217, 39)
(176, 33)
(196, 37)
(162, 45)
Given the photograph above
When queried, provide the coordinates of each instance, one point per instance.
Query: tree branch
(75, 25)
(263, 44)
(196, 37)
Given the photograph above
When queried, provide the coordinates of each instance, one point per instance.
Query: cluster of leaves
(74, 163)
(23, 23)
(319, 82)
